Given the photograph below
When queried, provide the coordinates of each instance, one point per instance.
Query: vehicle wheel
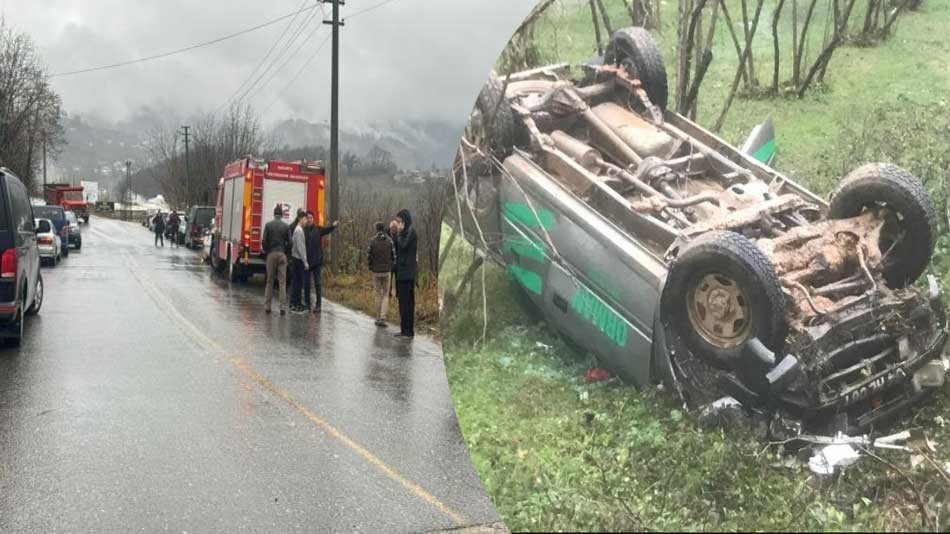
(216, 263)
(722, 291)
(885, 184)
(17, 337)
(235, 272)
(78, 245)
(635, 49)
(492, 124)
(37, 297)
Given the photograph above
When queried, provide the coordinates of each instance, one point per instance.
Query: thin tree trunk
(776, 62)
(801, 41)
(796, 66)
(593, 14)
(745, 28)
(735, 37)
(745, 57)
(603, 15)
(825, 57)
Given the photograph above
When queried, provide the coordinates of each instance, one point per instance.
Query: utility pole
(187, 164)
(128, 188)
(44, 162)
(334, 178)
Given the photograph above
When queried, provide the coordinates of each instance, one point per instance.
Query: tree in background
(30, 111)
(379, 161)
(351, 161)
(216, 141)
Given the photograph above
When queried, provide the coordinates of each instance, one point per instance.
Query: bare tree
(217, 140)
(30, 111)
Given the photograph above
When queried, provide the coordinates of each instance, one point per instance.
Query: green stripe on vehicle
(528, 279)
(765, 152)
(524, 215)
(593, 310)
(526, 248)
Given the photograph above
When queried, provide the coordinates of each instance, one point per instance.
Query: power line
(185, 49)
(370, 8)
(264, 59)
(299, 72)
(264, 81)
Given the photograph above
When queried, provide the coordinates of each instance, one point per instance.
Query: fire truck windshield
(72, 195)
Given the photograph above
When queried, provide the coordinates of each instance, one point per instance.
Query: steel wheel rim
(718, 310)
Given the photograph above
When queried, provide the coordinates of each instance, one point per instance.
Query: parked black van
(21, 285)
(197, 224)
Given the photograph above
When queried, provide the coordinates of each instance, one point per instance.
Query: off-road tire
(903, 193)
(493, 125)
(635, 47)
(37, 297)
(738, 258)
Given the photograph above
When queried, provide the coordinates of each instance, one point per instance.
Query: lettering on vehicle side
(875, 385)
(592, 309)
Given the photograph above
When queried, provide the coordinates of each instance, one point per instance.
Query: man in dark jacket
(158, 226)
(406, 272)
(274, 245)
(314, 234)
(382, 254)
(172, 227)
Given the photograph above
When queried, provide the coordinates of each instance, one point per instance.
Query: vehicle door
(28, 254)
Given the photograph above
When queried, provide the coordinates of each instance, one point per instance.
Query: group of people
(160, 225)
(296, 248)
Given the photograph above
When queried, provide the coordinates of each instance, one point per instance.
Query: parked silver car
(48, 241)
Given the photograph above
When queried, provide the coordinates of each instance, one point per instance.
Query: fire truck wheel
(235, 272)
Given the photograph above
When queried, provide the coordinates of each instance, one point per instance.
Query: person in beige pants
(382, 254)
(274, 244)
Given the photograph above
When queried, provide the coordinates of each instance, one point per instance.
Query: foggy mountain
(414, 144)
(97, 149)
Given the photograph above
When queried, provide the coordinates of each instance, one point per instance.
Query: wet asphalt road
(150, 395)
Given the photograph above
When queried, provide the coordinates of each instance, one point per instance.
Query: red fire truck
(247, 194)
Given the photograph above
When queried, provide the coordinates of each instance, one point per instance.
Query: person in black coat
(315, 234)
(406, 272)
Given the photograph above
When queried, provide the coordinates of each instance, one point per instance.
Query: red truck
(70, 197)
(247, 194)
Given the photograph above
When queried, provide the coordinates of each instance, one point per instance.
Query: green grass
(909, 68)
(556, 453)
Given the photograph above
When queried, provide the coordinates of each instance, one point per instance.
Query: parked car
(48, 241)
(21, 283)
(57, 215)
(676, 258)
(75, 234)
(197, 225)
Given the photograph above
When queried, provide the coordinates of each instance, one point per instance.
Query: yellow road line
(202, 339)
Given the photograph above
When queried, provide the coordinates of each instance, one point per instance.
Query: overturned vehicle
(676, 258)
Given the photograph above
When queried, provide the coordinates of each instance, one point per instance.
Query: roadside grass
(907, 69)
(355, 291)
(556, 453)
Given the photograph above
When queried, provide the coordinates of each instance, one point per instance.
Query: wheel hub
(719, 311)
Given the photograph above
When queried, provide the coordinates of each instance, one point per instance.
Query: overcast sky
(407, 59)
